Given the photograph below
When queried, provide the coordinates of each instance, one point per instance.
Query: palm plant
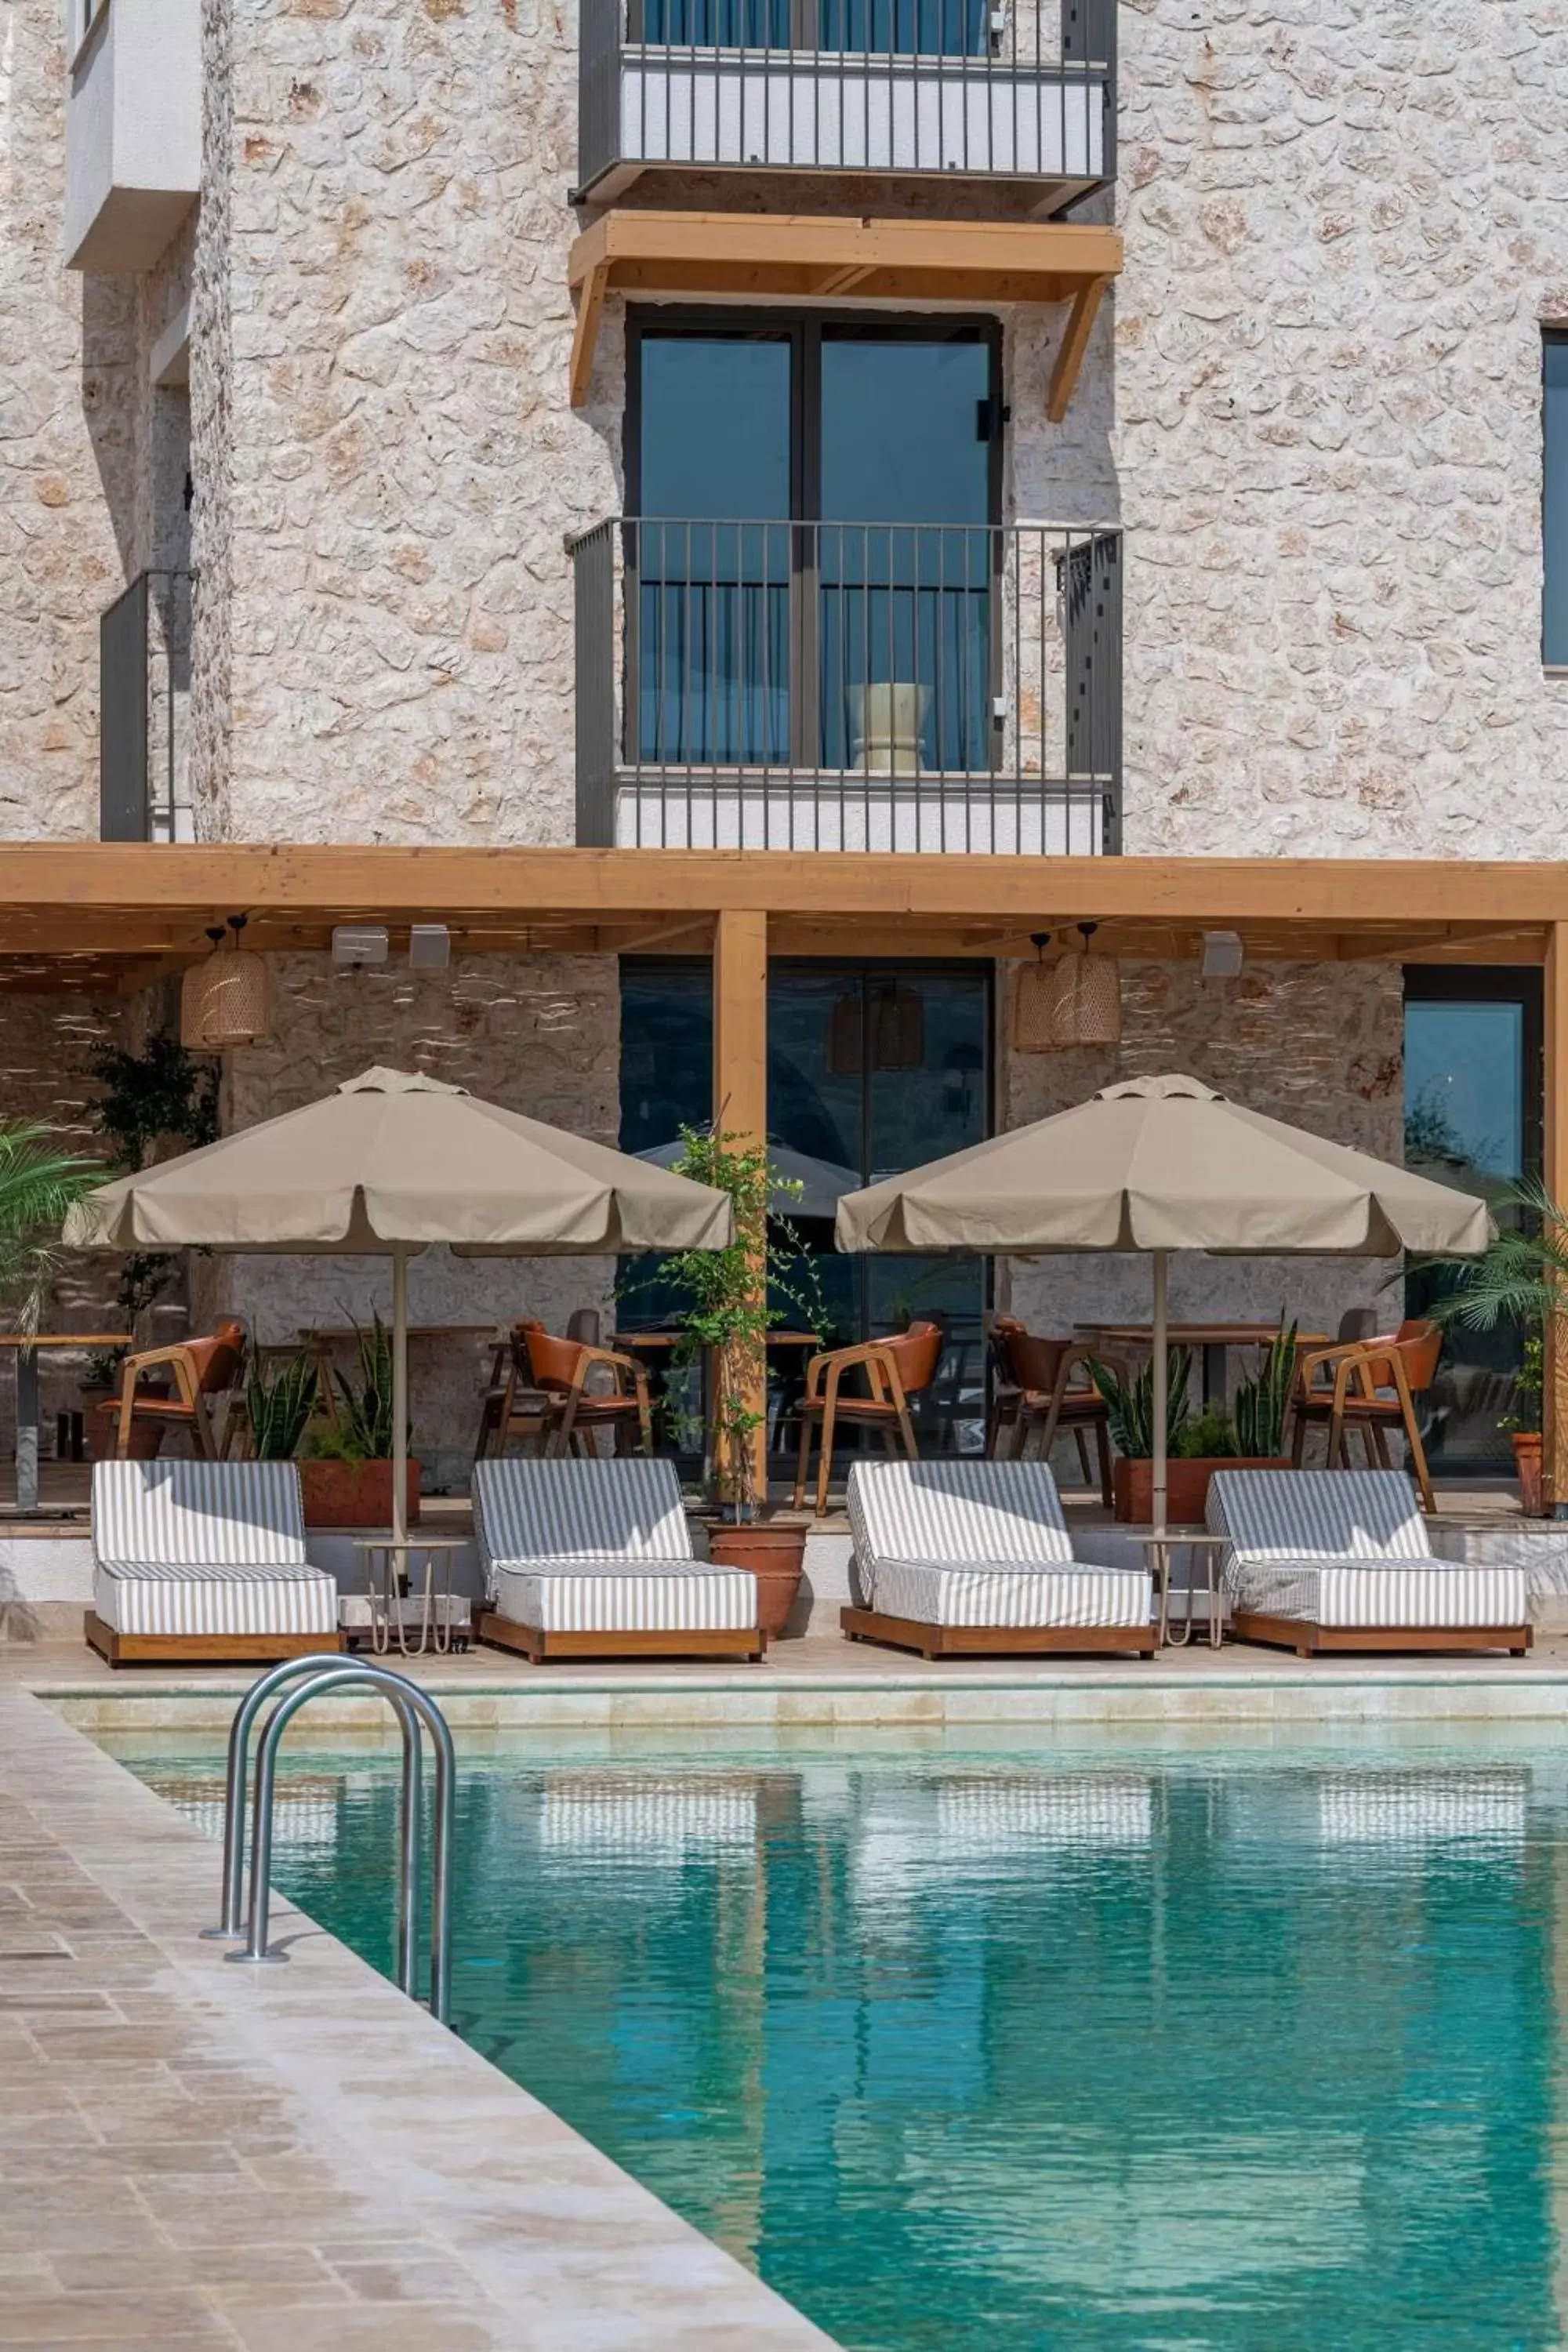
(39, 1183)
(1522, 1277)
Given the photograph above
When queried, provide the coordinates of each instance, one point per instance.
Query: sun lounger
(1341, 1559)
(953, 1559)
(204, 1561)
(593, 1560)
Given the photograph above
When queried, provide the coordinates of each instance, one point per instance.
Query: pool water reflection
(1138, 2048)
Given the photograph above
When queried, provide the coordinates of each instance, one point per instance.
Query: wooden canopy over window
(807, 257)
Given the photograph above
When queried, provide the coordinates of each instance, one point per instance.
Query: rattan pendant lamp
(1076, 1001)
(223, 1003)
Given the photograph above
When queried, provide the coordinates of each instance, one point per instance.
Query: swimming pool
(1136, 2049)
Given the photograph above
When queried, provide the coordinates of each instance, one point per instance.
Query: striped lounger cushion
(980, 1543)
(600, 1548)
(585, 1596)
(1010, 1592)
(1347, 1548)
(189, 1548)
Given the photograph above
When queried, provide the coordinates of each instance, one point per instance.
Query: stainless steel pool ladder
(413, 1707)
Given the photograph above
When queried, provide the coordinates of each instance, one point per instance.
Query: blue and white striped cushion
(1372, 1593)
(1316, 1515)
(618, 1509)
(577, 1596)
(963, 1513)
(198, 1514)
(1017, 1592)
(152, 1597)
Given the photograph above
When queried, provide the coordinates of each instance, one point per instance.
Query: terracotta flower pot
(354, 1493)
(1527, 1469)
(774, 1555)
(1186, 1485)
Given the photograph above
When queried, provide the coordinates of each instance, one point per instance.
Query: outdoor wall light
(1223, 956)
(358, 944)
(429, 947)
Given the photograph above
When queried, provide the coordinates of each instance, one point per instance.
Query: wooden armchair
(561, 1371)
(894, 1370)
(1036, 1390)
(201, 1371)
(1371, 1385)
(512, 1407)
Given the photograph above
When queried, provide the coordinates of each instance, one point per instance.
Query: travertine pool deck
(195, 2157)
(298, 2159)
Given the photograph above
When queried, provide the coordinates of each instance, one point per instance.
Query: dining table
(1212, 1341)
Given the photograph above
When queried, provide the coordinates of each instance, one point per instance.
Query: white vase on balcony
(885, 721)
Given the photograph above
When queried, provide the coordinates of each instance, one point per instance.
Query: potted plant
(278, 1403)
(39, 1183)
(736, 1295)
(1521, 1278)
(1250, 1437)
(345, 1467)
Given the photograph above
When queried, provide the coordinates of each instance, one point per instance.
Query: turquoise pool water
(1179, 2050)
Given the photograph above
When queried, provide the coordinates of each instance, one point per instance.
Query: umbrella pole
(399, 1398)
(1161, 1381)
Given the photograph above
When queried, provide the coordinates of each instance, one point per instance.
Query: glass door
(1472, 1120)
(811, 578)
(711, 656)
(906, 469)
(873, 1069)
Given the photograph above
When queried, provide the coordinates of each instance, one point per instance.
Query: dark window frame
(1551, 659)
(804, 329)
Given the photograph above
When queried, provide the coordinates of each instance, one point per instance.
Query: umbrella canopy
(387, 1165)
(1163, 1164)
(822, 1183)
(395, 1160)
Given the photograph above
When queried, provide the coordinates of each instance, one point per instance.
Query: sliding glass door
(1472, 1120)
(812, 568)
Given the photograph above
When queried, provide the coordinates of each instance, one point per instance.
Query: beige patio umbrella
(387, 1165)
(1161, 1164)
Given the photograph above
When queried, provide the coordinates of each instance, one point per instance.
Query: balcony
(144, 662)
(133, 131)
(849, 687)
(979, 89)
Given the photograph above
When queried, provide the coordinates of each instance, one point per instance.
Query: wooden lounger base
(995, 1641)
(534, 1642)
(204, 1649)
(1307, 1638)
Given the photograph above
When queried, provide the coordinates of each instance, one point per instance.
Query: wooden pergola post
(1554, 1175)
(740, 1093)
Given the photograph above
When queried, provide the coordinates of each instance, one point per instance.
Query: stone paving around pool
(197, 2157)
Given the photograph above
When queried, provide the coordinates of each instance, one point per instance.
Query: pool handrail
(413, 1707)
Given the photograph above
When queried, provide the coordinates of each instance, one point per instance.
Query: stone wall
(1320, 1045)
(540, 1034)
(1344, 227)
(65, 453)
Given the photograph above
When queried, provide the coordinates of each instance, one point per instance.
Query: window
(1554, 500)
(872, 1068)
(1472, 1118)
(815, 561)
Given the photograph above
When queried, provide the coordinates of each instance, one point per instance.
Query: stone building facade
(1311, 403)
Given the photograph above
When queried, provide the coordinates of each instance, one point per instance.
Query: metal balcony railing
(1022, 90)
(848, 686)
(143, 666)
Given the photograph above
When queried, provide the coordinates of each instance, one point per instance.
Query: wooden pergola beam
(802, 256)
(81, 897)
